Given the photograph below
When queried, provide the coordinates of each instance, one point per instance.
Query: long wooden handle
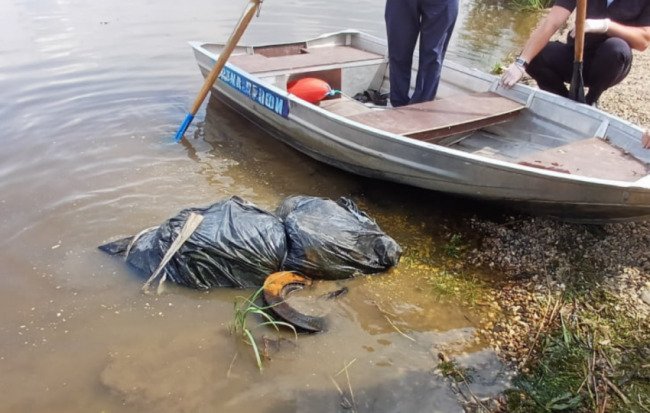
(249, 12)
(245, 19)
(581, 14)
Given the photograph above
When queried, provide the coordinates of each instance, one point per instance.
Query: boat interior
(467, 115)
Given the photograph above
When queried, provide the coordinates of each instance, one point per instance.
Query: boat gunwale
(459, 155)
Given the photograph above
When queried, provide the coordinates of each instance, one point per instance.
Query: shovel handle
(581, 15)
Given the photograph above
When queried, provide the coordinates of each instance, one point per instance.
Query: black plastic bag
(334, 240)
(373, 96)
(236, 245)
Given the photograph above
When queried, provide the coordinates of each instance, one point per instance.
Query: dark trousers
(604, 65)
(433, 21)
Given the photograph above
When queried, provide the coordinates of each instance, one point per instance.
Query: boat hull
(374, 153)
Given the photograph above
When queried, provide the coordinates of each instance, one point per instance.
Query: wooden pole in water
(251, 8)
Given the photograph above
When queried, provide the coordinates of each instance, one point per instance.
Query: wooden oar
(577, 89)
(247, 16)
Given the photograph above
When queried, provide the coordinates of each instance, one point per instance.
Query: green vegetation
(500, 67)
(443, 272)
(589, 352)
(581, 348)
(531, 4)
(452, 280)
(454, 248)
(245, 307)
(592, 358)
(463, 285)
(449, 368)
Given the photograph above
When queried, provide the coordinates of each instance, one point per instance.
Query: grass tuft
(455, 247)
(460, 285)
(530, 5)
(245, 307)
(592, 357)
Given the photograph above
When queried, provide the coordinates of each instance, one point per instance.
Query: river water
(91, 96)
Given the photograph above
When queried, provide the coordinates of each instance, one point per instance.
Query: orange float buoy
(311, 89)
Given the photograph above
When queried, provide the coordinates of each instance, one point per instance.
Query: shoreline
(590, 280)
(623, 247)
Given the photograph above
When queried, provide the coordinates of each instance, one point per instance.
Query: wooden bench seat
(437, 119)
(593, 157)
(323, 56)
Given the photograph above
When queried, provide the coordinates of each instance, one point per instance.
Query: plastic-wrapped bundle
(334, 240)
(236, 245)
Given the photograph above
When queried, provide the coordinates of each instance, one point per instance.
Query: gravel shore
(538, 257)
(630, 99)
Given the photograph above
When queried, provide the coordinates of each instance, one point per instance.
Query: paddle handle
(244, 20)
(581, 15)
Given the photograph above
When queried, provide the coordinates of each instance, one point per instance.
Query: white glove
(593, 26)
(512, 75)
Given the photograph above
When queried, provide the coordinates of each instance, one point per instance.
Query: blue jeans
(433, 22)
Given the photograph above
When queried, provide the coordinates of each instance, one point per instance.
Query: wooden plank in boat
(321, 56)
(437, 119)
(593, 157)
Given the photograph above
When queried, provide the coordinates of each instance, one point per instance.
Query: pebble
(645, 295)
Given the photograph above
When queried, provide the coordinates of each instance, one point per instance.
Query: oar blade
(184, 126)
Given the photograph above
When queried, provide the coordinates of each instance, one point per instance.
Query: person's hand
(593, 26)
(645, 139)
(512, 75)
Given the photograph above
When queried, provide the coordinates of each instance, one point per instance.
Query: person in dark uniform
(433, 22)
(612, 30)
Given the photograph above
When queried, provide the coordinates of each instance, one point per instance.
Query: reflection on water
(92, 94)
(489, 25)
